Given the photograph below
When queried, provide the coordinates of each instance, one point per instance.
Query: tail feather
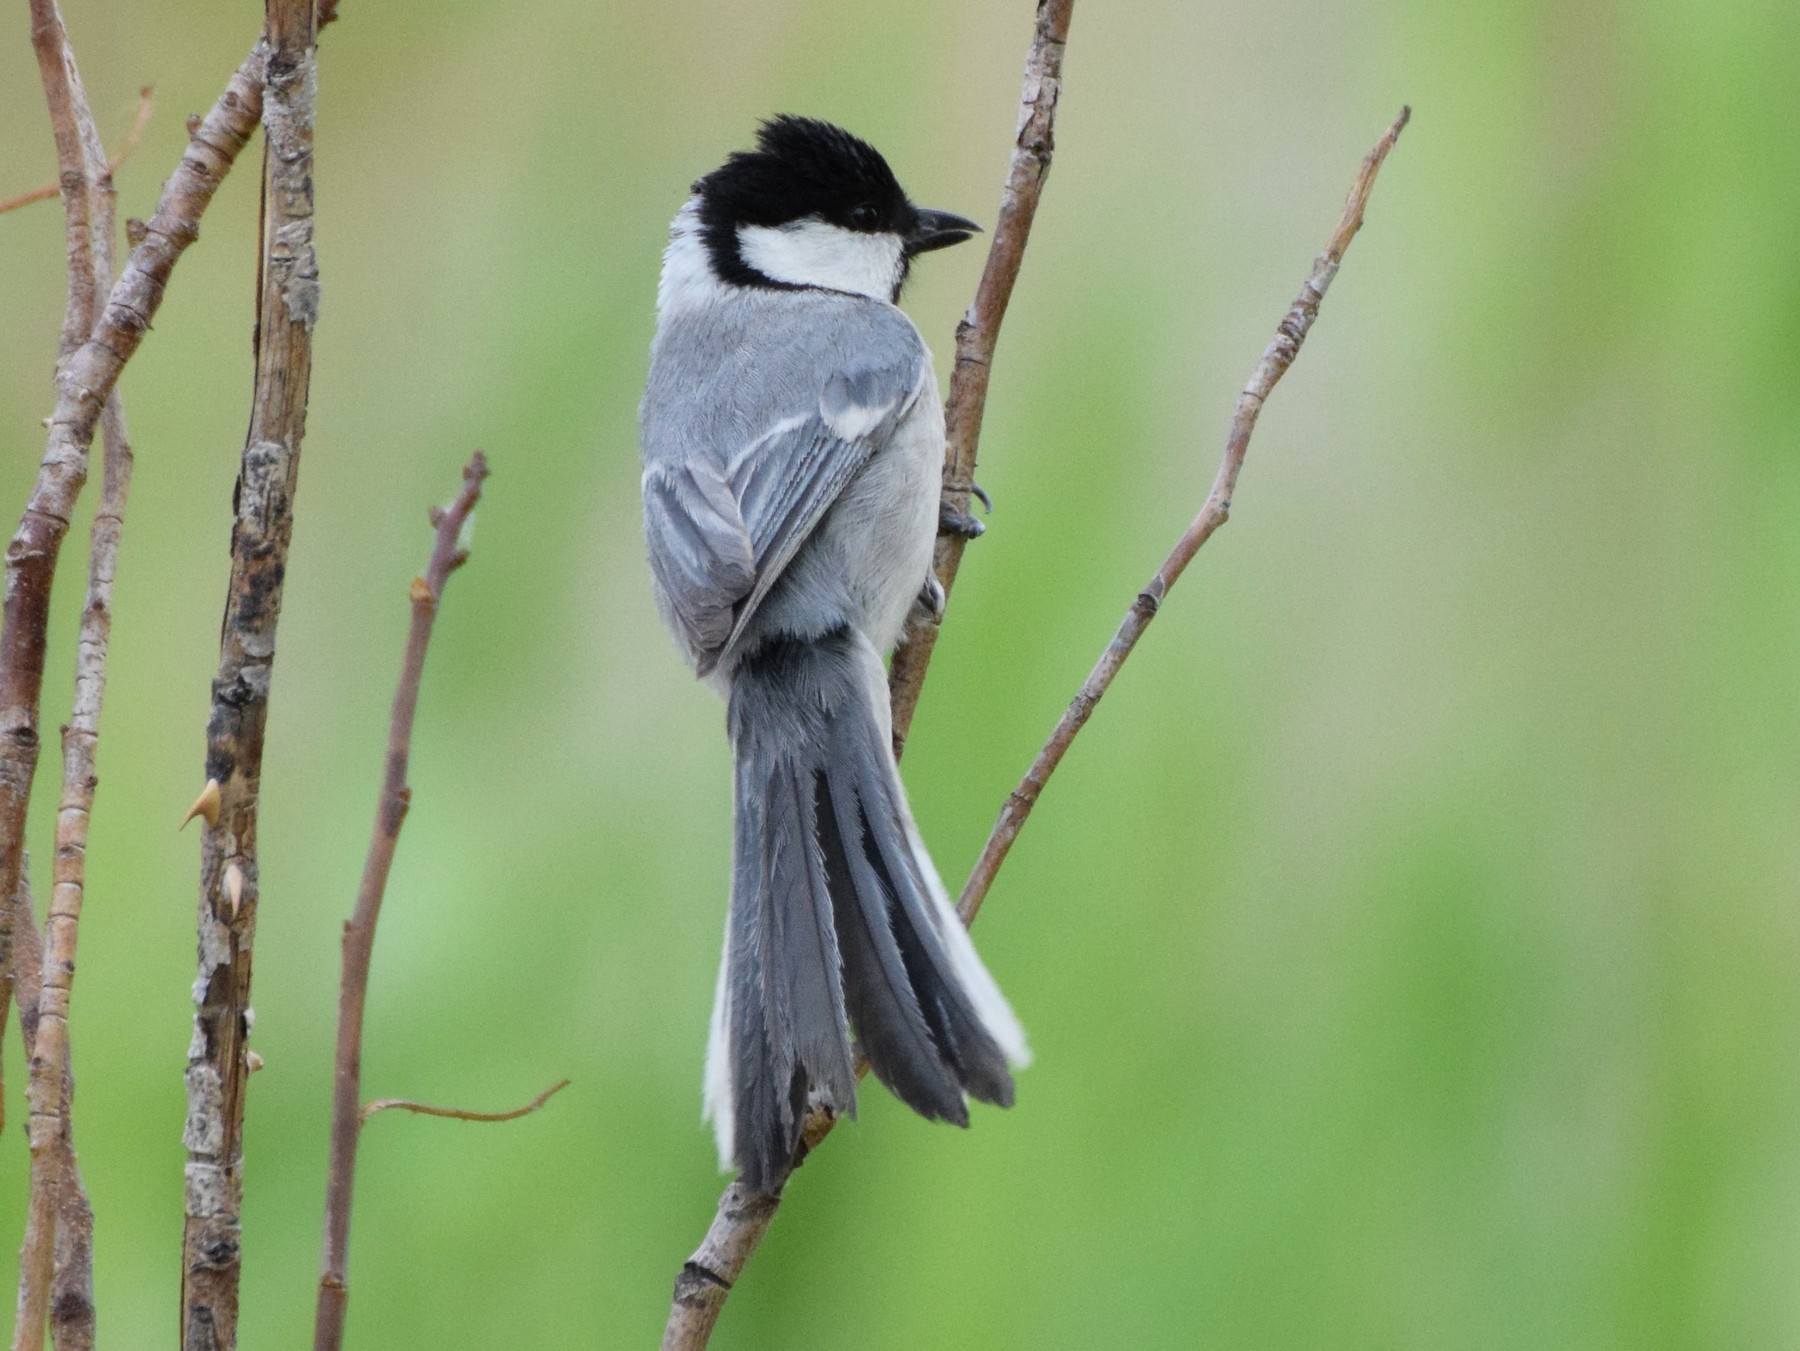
(961, 1040)
(837, 914)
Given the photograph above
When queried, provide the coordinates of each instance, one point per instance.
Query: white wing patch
(814, 253)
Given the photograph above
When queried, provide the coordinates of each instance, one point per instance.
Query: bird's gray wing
(723, 527)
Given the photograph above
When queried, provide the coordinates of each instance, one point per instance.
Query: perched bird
(793, 444)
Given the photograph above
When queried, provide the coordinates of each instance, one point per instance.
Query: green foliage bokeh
(1408, 946)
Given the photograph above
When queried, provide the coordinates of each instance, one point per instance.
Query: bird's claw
(954, 522)
(929, 605)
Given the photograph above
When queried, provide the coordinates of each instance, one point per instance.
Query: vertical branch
(72, 1321)
(449, 553)
(742, 1218)
(51, 1086)
(57, 1257)
(83, 384)
(979, 331)
(218, 1065)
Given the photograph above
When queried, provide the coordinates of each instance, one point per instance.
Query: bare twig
(72, 1322)
(1282, 350)
(460, 1113)
(449, 553)
(46, 1251)
(52, 1260)
(742, 1217)
(218, 1064)
(146, 105)
(979, 331)
(83, 384)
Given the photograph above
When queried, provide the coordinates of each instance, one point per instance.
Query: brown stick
(146, 105)
(57, 1201)
(380, 1105)
(347, 1115)
(46, 1252)
(72, 1323)
(1280, 354)
(742, 1218)
(83, 384)
(218, 1065)
(979, 331)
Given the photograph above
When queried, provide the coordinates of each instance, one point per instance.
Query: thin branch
(72, 1322)
(979, 331)
(448, 553)
(84, 382)
(52, 1260)
(146, 106)
(460, 1113)
(742, 1217)
(1282, 350)
(218, 1063)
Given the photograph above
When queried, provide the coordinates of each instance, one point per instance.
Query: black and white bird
(793, 444)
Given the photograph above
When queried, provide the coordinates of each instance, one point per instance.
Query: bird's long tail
(837, 914)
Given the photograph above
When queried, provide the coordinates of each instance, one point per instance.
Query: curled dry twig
(380, 1105)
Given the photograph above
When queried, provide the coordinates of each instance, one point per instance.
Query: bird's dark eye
(864, 217)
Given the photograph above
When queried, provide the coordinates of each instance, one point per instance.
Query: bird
(793, 449)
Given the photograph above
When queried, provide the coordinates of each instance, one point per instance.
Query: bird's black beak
(937, 230)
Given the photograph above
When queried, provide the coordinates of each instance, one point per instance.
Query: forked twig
(449, 552)
(370, 1109)
(146, 106)
(55, 1259)
(85, 380)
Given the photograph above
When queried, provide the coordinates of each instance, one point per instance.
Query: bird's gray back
(769, 420)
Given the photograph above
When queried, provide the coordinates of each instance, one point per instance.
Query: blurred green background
(1409, 946)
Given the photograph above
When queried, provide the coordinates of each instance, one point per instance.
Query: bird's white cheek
(814, 253)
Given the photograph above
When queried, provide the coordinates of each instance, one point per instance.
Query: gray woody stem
(218, 1061)
(72, 1288)
(742, 1217)
(84, 381)
(347, 1113)
(1282, 350)
(979, 331)
(56, 1257)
